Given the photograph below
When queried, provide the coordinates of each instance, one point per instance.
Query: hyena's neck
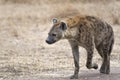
(66, 35)
(70, 33)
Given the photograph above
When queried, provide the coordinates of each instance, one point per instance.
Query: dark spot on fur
(90, 18)
(74, 21)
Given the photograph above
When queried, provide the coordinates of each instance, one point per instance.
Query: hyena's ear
(63, 26)
(54, 20)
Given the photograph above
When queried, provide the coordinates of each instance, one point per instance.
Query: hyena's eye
(53, 34)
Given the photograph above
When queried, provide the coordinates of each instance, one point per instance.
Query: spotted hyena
(88, 32)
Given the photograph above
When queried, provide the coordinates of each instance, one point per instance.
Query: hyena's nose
(47, 41)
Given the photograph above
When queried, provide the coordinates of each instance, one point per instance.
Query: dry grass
(53, 1)
(23, 29)
(47, 10)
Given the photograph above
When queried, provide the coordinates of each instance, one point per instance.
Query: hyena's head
(57, 31)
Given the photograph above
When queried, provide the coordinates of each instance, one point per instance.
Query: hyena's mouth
(50, 42)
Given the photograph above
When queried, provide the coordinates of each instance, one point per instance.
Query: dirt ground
(83, 75)
(24, 55)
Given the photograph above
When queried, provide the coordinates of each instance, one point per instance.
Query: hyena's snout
(50, 40)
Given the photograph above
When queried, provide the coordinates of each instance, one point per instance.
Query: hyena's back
(90, 26)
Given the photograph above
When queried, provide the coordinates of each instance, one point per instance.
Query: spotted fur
(89, 32)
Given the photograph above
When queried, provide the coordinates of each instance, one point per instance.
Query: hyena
(88, 32)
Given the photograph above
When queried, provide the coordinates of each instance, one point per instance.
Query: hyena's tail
(111, 45)
(110, 39)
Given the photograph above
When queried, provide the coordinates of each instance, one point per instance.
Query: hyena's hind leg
(89, 63)
(104, 49)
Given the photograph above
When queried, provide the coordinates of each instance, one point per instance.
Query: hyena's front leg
(75, 52)
(89, 64)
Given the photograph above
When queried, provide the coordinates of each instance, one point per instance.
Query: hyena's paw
(74, 76)
(105, 70)
(95, 66)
